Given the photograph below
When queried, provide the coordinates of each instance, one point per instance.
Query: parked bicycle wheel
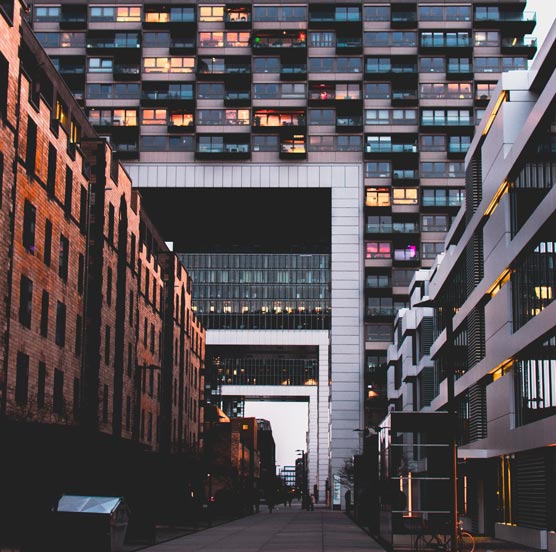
(426, 542)
(466, 542)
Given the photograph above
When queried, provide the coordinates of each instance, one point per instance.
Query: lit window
(211, 13)
(405, 196)
(378, 250)
(125, 14)
(377, 197)
(154, 117)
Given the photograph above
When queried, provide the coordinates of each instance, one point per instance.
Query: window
(44, 313)
(435, 223)
(443, 117)
(31, 149)
(4, 74)
(68, 194)
(47, 13)
(441, 169)
(29, 224)
(379, 332)
(102, 13)
(60, 324)
(41, 384)
(322, 39)
(128, 14)
(63, 258)
(22, 378)
(152, 339)
(487, 38)
(430, 250)
(210, 90)
(378, 250)
(376, 13)
(211, 13)
(432, 65)
(25, 301)
(376, 90)
(47, 242)
(484, 90)
(100, 65)
(58, 404)
(433, 142)
(444, 39)
(264, 142)
(459, 144)
(182, 14)
(348, 91)
(154, 117)
(442, 197)
(378, 169)
(405, 196)
(266, 65)
(377, 197)
(459, 65)
(108, 286)
(169, 64)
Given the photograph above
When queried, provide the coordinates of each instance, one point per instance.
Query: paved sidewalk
(285, 530)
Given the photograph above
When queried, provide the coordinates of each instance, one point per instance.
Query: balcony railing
(349, 121)
(405, 174)
(405, 227)
(517, 17)
(381, 311)
(379, 228)
(519, 42)
(112, 43)
(391, 148)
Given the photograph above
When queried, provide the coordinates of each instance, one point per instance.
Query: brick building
(102, 357)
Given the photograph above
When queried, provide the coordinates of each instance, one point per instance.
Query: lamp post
(452, 409)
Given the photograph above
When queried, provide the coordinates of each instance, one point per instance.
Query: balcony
(376, 312)
(182, 45)
(293, 148)
(378, 281)
(335, 17)
(525, 45)
(127, 71)
(293, 71)
(459, 70)
(405, 228)
(224, 147)
(404, 97)
(237, 98)
(349, 45)
(407, 254)
(521, 22)
(269, 42)
(237, 17)
(73, 20)
(271, 120)
(434, 42)
(349, 123)
(379, 228)
(126, 150)
(127, 41)
(404, 176)
(391, 148)
(403, 19)
(163, 96)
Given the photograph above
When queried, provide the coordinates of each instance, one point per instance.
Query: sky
(546, 13)
(289, 420)
(289, 426)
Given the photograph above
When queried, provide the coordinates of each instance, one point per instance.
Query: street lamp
(452, 409)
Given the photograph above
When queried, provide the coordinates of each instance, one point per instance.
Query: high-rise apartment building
(356, 112)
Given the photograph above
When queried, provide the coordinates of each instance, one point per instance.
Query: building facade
(371, 104)
(490, 317)
(71, 384)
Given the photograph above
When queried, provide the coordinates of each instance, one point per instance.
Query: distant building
(490, 317)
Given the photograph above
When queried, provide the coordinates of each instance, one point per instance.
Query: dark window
(4, 72)
(105, 404)
(51, 175)
(78, 330)
(31, 151)
(152, 338)
(68, 194)
(63, 258)
(22, 378)
(132, 247)
(80, 272)
(107, 345)
(150, 427)
(58, 397)
(25, 301)
(29, 224)
(131, 308)
(41, 384)
(47, 242)
(83, 209)
(44, 313)
(60, 324)
(145, 329)
(109, 286)
(111, 223)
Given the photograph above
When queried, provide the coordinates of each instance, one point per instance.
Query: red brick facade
(100, 332)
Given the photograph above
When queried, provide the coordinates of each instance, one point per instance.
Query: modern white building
(492, 316)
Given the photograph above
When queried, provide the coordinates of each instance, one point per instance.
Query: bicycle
(429, 541)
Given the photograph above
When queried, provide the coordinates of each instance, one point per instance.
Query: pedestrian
(270, 504)
(312, 502)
